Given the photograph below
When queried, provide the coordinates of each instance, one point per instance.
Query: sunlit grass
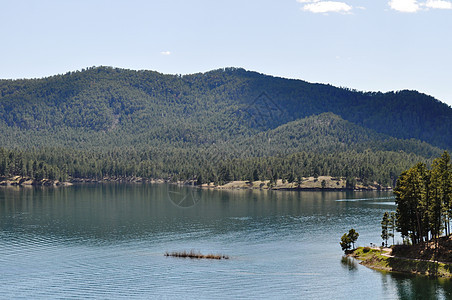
(374, 259)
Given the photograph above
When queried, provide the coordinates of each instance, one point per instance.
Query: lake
(108, 241)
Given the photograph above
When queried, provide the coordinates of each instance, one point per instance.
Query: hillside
(202, 108)
(327, 133)
(112, 122)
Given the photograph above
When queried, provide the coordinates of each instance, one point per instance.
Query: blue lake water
(108, 241)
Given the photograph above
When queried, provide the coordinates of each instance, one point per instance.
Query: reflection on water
(413, 287)
(349, 263)
(108, 241)
(365, 199)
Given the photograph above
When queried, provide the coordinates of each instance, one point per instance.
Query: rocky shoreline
(321, 183)
(27, 181)
(19, 181)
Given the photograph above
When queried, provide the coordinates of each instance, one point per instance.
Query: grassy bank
(383, 260)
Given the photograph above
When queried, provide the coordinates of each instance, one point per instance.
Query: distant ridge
(108, 99)
(219, 126)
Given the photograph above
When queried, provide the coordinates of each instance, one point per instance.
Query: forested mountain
(329, 133)
(182, 126)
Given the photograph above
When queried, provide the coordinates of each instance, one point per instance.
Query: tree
(345, 242)
(255, 175)
(441, 186)
(411, 200)
(291, 177)
(350, 183)
(392, 226)
(349, 238)
(199, 181)
(385, 228)
(353, 235)
(423, 199)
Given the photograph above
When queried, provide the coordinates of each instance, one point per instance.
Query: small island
(195, 255)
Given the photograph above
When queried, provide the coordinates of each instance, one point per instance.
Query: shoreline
(381, 259)
(19, 181)
(317, 184)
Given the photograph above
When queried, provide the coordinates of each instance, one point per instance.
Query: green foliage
(353, 235)
(108, 104)
(423, 199)
(392, 226)
(345, 243)
(350, 183)
(388, 226)
(348, 239)
(201, 166)
(107, 122)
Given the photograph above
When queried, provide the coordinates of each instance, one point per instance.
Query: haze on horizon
(359, 44)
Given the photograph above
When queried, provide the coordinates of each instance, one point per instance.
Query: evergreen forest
(424, 200)
(219, 126)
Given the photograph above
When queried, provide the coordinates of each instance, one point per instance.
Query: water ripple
(89, 245)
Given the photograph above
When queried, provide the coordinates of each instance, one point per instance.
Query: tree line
(202, 166)
(424, 201)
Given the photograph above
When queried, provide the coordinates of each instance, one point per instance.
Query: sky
(368, 45)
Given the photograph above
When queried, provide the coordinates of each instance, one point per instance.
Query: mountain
(182, 108)
(179, 124)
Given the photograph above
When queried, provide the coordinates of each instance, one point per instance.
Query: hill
(145, 123)
(184, 108)
(327, 133)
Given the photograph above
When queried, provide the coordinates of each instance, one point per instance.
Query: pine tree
(392, 226)
(345, 242)
(385, 228)
(423, 199)
(353, 235)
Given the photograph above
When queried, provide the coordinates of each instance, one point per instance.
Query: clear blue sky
(376, 45)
